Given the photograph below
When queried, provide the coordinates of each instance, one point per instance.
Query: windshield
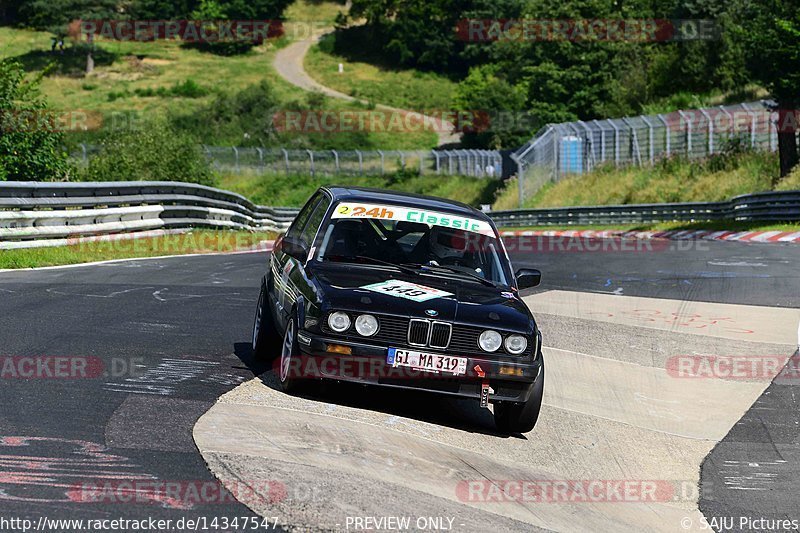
(434, 245)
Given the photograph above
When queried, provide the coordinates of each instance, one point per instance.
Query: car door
(289, 273)
(279, 264)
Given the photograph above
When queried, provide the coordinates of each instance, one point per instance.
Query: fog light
(510, 371)
(338, 348)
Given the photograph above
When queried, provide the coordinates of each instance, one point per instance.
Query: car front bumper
(510, 381)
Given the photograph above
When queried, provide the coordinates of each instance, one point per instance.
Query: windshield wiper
(402, 268)
(454, 270)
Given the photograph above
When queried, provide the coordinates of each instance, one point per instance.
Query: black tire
(521, 417)
(290, 383)
(266, 340)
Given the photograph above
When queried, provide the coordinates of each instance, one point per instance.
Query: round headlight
(339, 321)
(516, 344)
(490, 340)
(366, 325)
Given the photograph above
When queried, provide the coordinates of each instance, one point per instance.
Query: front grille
(400, 331)
(418, 332)
(440, 335)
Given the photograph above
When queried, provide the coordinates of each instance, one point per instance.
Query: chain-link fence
(560, 150)
(477, 163)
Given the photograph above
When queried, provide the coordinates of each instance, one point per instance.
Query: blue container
(571, 156)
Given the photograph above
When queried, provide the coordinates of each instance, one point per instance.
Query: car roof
(383, 196)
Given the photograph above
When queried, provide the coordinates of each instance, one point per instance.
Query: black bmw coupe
(401, 290)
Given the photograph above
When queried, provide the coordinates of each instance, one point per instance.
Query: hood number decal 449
(409, 291)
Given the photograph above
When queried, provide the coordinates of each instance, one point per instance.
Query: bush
(188, 89)
(233, 119)
(246, 118)
(31, 143)
(185, 89)
(156, 152)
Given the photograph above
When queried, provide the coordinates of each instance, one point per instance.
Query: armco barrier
(35, 211)
(45, 212)
(783, 206)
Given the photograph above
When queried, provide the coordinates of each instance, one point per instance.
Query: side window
(314, 222)
(299, 223)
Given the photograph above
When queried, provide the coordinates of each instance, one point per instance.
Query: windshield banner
(398, 213)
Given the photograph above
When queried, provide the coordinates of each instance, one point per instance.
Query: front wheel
(265, 335)
(521, 417)
(290, 353)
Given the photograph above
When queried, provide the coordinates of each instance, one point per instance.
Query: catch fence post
(710, 131)
(602, 140)
(650, 138)
(311, 161)
(688, 134)
(666, 133)
(753, 121)
(616, 142)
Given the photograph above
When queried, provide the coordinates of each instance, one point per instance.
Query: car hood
(342, 286)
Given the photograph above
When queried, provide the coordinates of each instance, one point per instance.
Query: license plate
(427, 361)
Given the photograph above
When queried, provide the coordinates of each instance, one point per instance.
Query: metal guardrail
(42, 214)
(42, 211)
(782, 206)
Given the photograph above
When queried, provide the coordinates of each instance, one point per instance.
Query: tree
(9, 11)
(255, 9)
(55, 16)
(31, 143)
(422, 33)
(497, 106)
(162, 9)
(771, 29)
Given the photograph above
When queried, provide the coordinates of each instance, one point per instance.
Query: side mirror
(528, 277)
(294, 248)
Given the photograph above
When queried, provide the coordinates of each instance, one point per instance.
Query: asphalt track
(184, 325)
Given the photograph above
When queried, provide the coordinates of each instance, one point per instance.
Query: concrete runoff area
(184, 325)
(618, 446)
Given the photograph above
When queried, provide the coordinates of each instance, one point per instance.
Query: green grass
(293, 191)
(122, 67)
(684, 100)
(365, 79)
(676, 180)
(125, 68)
(134, 81)
(198, 241)
(305, 12)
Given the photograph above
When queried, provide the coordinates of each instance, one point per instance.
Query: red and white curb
(675, 235)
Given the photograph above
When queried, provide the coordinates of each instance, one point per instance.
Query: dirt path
(289, 64)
